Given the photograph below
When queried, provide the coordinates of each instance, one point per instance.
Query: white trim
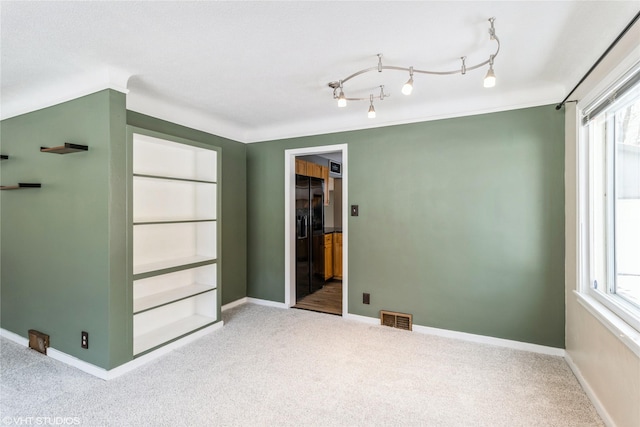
(266, 303)
(233, 304)
(445, 333)
(14, 337)
(38, 98)
(104, 374)
(619, 328)
(362, 319)
(463, 336)
(346, 211)
(621, 321)
(184, 116)
(346, 123)
(600, 408)
(140, 101)
(483, 339)
(256, 301)
(289, 226)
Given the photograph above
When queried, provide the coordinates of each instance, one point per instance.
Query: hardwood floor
(326, 300)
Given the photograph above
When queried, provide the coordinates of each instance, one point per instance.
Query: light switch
(354, 210)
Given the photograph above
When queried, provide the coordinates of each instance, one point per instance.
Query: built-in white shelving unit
(175, 240)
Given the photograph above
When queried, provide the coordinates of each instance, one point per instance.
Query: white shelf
(172, 244)
(164, 220)
(169, 332)
(172, 178)
(172, 263)
(157, 326)
(162, 158)
(166, 200)
(166, 297)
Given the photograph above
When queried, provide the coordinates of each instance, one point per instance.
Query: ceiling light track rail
(489, 80)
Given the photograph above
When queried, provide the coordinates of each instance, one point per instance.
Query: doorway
(332, 289)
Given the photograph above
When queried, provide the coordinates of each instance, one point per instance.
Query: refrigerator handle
(305, 226)
(301, 225)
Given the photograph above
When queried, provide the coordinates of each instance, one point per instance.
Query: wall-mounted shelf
(65, 149)
(20, 186)
(3, 157)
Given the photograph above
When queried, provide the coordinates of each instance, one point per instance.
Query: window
(611, 209)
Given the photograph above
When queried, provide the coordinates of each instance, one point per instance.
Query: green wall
(234, 200)
(461, 222)
(62, 246)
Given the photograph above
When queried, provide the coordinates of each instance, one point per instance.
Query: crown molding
(354, 120)
(184, 116)
(343, 121)
(37, 98)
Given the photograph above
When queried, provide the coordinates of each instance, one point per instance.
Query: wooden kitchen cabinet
(337, 256)
(314, 170)
(301, 167)
(328, 256)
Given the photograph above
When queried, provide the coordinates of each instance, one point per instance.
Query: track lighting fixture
(489, 80)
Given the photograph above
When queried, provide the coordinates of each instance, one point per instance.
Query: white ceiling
(255, 71)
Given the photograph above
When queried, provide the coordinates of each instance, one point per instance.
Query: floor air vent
(38, 341)
(396, 320)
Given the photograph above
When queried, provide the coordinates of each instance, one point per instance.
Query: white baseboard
(266, 303)
(105, 374)
(362, 319)
(481, 339)
(146, 358)
(233, 304)
(14, 337)
(606, 418)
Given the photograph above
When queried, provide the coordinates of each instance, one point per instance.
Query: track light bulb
(490, 78)
(408, 87)
(342, 100)
(372, 111)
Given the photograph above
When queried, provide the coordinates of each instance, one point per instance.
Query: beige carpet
(273, 367)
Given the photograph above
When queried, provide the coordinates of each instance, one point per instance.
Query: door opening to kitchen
(315, 238)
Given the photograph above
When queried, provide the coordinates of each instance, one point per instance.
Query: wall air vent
(396, 320)
(38, 341)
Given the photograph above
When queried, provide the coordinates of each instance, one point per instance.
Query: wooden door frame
(289, 222)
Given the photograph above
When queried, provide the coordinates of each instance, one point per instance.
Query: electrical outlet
(366, 298)
(84, 343)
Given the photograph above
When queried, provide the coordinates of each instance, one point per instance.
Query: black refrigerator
(309, 236)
